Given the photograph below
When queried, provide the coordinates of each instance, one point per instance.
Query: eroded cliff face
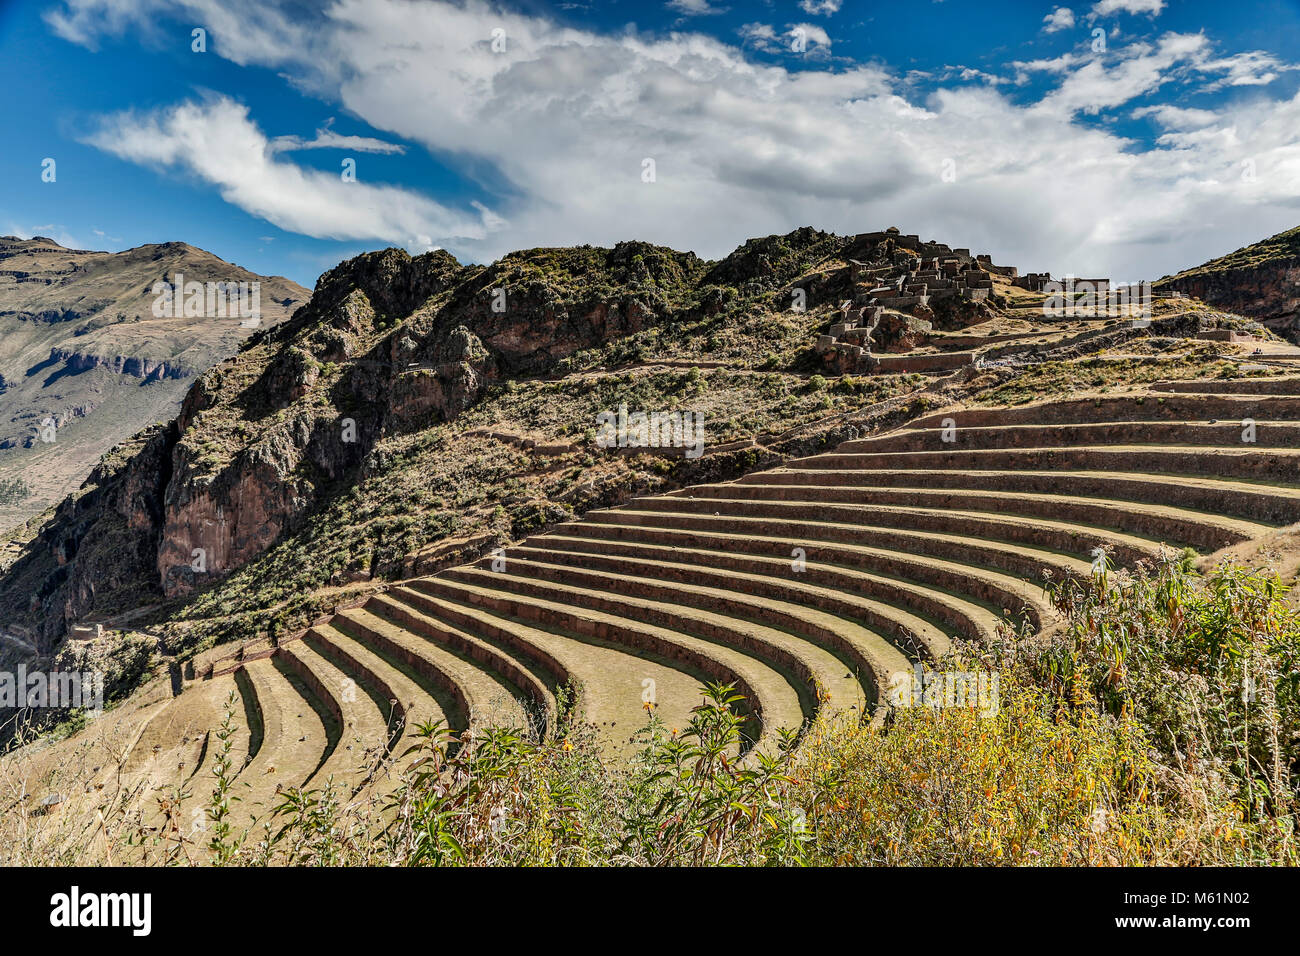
(213, 525)
(1261, 280)
(419, 339)
(135, 366)
(1268, 291)
(100, 545)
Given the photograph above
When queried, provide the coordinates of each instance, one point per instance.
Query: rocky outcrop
(99, 548)
(1261, 281)
(442, 390)
(1268, 291)
(897, 332)
(136, 366)
(417, 340)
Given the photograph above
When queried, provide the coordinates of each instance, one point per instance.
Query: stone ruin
(1039, 282)
(1033, 281)
(904, 275)
(896, 284)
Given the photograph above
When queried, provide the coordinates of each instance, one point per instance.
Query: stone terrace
(807, 586)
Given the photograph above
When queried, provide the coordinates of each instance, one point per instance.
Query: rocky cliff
(136, 366)
(388, 344)
(1260, 280)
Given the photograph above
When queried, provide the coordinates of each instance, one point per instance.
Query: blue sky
(1120, 137)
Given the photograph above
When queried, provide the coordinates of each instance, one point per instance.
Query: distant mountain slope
(81, 350)
(1261, 280)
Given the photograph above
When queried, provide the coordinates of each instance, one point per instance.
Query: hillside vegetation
(378, 594)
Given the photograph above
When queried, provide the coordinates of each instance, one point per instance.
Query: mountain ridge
(85, 361)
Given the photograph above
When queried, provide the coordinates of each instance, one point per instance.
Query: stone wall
(925, 362)
(987, 262)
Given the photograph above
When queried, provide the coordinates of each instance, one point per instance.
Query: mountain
(1260, 280)
(85, 362)
(395, 512)
(418, 413)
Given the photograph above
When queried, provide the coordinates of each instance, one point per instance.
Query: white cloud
(695, 8)
(1253, 68)
(820, 8)
(217, 142)
(742, 148)
(1175, 117)
(794, 39)
(1057, 65)
(1062, 18)
(326, 138)
(1124, 74)
(241, 31)
(760, 33)
(814, 33)
(1095, 82)
(969, 73)
(1105, 8)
